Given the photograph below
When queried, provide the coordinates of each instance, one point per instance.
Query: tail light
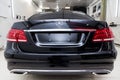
(16, 35)
(102, 35)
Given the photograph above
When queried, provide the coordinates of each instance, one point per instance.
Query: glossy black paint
(57, 50)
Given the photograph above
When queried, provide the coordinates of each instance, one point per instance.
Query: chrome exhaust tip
(19, 72)
(94, 73)
(105, 72)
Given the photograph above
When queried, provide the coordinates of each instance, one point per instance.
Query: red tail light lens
(102, 35)
(16, 36)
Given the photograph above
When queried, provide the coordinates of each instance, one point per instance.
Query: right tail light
(102, 35)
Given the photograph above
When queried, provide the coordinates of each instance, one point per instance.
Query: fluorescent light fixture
(39, 10)
(57, 7)
(12, 9)
(67, 7)
(40, 7)
(46, 7)
(117, 8)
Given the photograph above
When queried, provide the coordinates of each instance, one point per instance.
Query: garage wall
(113, 15)
(5, 19)
(113, 11)
(4, 8)
(8, 11)
(94, 9)
(23, 8)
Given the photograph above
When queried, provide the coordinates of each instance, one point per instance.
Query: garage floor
(5, 75)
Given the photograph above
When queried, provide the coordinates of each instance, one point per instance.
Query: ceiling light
(39, 10)
(46, 7)
(67, 7)
(79, 0)
(57, 7)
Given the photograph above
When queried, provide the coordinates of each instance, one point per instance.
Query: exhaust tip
(16, 72)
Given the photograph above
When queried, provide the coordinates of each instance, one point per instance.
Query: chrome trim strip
(59, 30)
(70, 44)
(48, 20)
(58, 71)
(80, 43)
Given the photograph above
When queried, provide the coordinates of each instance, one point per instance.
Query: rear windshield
(51, 25)
(64, 25)
(61, 15)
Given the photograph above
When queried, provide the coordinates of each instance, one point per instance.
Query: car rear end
(60, 46)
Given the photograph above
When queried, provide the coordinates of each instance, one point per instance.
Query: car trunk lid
(61, 36)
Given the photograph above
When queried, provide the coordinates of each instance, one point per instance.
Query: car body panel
(62, 42)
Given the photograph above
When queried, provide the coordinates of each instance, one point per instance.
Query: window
(99, 7)
(94, 9)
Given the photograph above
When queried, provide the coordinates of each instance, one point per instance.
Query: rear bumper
(11, 54)
(79, 63)
(44, 68)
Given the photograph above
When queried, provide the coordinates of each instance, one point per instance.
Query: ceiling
(62, 3)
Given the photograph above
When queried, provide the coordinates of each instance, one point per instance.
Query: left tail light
(16, 35)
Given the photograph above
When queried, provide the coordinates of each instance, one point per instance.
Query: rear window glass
(51, 25)
(63, 25)
(61, 15)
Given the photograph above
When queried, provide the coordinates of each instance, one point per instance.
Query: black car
(64, 42)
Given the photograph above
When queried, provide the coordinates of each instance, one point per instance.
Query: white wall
(4, 8)
(113, 15)
(8, 12)
(23, 8)
(5, 20)
(90, 9)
